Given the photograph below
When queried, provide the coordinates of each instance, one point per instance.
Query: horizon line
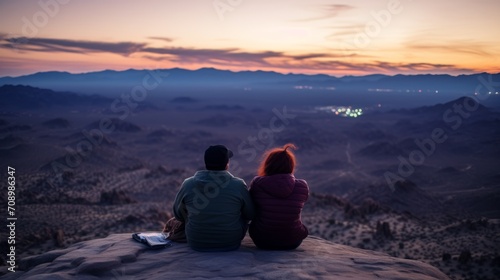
(240, 71)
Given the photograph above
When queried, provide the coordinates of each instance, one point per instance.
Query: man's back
(216, 207)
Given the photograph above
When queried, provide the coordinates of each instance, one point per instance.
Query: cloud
(329, 11)
(71, 46)
(309, 56)
(467, 47)
(416, 67)
(374, 67)
(326, 61)
(300, 63)
(342, 31)
(165, 39)
(232, 54)
(235, 57)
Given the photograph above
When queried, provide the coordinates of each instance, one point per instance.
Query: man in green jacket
(215, 205)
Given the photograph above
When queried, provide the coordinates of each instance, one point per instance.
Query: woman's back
(278, 201)
(278, 198)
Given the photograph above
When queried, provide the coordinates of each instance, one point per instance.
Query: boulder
(118, 256)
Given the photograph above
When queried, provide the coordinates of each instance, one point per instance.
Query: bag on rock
(175, 230)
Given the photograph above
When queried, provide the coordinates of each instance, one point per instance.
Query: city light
(342, 111)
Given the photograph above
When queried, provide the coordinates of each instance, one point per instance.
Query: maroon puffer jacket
(278, 201)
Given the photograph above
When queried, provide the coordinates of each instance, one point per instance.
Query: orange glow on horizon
(358, 38)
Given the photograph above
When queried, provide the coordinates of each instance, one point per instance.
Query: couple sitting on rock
(216, 207)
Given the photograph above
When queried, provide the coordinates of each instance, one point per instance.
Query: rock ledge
(119, 257)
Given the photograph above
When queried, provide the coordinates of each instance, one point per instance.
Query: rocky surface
(119, 257)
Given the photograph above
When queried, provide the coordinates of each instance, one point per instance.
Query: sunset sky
(294, 36)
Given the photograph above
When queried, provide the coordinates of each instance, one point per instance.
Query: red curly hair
(278, 161)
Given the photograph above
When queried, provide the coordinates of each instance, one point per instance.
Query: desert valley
(414, 180)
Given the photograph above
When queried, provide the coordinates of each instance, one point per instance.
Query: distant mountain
(214, 78)
(463, 102)
(469, 107)
(128, 79)
(28, 97)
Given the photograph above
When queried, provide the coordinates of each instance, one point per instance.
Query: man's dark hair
(217, 157)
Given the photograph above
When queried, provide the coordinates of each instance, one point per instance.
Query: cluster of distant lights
(306, 87)
(343, 111)
(490, 93)
(407, 90)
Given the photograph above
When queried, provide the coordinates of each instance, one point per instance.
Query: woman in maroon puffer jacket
(278, 198)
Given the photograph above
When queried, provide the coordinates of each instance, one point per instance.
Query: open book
(152, 239)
